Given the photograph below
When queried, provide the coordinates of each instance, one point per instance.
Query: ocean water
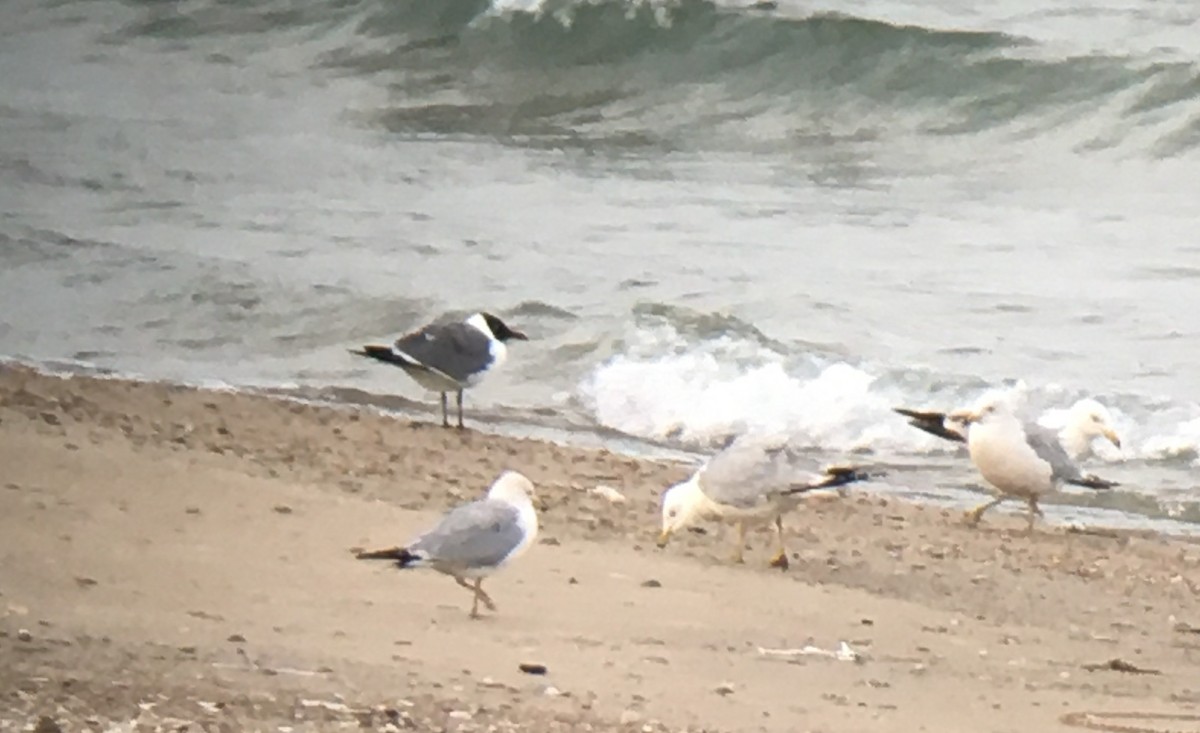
(710, 216)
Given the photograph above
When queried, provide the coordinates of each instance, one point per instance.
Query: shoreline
(196, 530)
(503, 421)
(1135, 511)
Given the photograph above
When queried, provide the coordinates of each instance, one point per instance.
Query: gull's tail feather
(386, 354)
(1089, 481)
(931, 422)
(835, 476)
(400, 555)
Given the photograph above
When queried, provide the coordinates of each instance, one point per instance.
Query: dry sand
(182, 557)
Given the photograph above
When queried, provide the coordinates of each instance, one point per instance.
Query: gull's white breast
(1007, 462)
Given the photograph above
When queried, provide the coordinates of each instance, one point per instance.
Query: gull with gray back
(474, 540)
(755, 480)
(1022, 460)
(449, 357)
(1084, 422)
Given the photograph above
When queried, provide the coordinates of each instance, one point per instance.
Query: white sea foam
(1183, 441)
(702, 394)
(665, 388)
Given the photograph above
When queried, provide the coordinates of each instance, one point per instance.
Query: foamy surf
(667, 388)
(703, 393)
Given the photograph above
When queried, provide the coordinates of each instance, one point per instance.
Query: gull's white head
(682, 505)
(1086, 420)
(514, 488)
(986, 409)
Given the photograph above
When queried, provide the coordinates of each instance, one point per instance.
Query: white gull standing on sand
(755, 480)
(1021, 460)
(449, 357)
(1084, 422)
(474, 540)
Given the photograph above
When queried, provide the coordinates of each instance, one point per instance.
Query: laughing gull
(474, 540)
(756, 479)
(449, 357)
(1021, 460)
(1085, 421)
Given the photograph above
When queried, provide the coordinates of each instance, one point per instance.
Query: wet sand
(176, 556)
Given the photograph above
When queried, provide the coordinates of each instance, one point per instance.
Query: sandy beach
(181, 557)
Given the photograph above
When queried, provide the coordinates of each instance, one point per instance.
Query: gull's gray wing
(481, 534)
(457, 350)
(1046, 444)
(752, 471)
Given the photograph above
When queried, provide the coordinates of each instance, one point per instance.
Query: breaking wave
(671, 383)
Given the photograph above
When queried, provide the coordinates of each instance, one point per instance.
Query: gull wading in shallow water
(449, 357)
(1021, 460)
(474, 540)
(755, 480)
(1086, 420)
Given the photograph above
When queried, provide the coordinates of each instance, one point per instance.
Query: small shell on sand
(609, 493)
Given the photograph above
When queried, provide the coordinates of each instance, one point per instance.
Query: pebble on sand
(609, 493)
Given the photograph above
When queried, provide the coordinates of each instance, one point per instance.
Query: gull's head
(680, 507)
(514, 488)
(984, 410)
(1089, 419)
(498, 328)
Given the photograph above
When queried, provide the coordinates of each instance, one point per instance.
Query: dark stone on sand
(529, 668)
(46, 724)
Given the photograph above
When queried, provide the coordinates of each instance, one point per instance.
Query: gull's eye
(672, 513)
(1095, 418)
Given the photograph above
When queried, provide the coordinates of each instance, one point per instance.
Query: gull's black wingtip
(1094, 482)
(852, 474)
(919, 414)
(379, 353)
(931, 422)
(400, 555)
(836, 476)
(372, 350)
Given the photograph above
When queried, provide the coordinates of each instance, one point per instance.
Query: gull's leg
(1034, 511)
(445, 412)
(975, 514)
(474, 595)
(737, 558)
(460, 424)
(781, 558)
(481, 595)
